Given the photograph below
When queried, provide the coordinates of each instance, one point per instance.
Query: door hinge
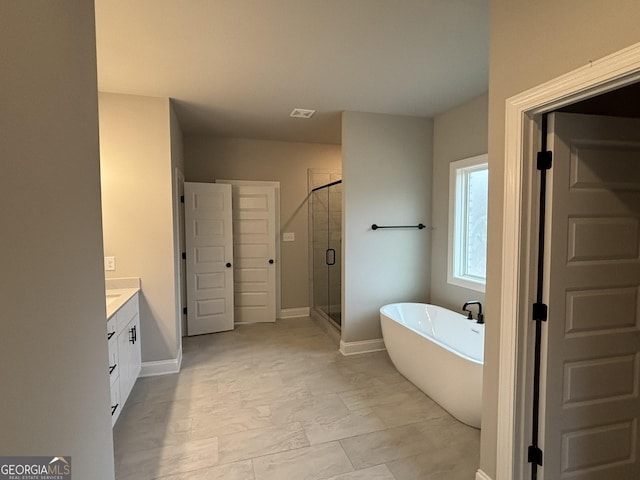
(184, 310)
(181, 198)
(534, 455)
(540, 311)
(184, 255)
(544, 160)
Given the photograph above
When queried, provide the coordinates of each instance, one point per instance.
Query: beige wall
(138, 206)
(210, 158)
(458, 133)
(533, 42)
(387, 168)
(53, 348)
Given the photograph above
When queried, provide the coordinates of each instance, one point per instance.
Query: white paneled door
(591, 372)
(254, 250)
(209, 247)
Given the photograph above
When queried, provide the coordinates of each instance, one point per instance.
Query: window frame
(479, 162)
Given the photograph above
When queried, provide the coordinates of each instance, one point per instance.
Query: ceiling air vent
(302, 113)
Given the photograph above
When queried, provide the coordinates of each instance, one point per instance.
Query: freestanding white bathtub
(440, 352)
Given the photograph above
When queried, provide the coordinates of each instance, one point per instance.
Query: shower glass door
(320, 205)
(327, 243)
(334, 263)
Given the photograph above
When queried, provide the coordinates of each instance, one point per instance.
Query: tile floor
(279, 402)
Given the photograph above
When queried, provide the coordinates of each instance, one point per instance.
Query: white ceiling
(237, 68)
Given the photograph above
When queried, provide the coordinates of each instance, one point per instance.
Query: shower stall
(326, 240)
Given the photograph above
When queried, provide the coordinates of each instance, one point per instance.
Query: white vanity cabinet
(123, 337)
(114, 369)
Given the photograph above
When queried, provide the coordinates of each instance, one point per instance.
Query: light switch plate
(288, 237)
(109, 263)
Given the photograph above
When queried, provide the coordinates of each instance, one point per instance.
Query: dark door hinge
(540, 312)
(184, 255)
(534, 455)
(544, 160)
(181, 198)
(184, 310)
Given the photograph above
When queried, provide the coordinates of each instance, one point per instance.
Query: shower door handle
(330, 253)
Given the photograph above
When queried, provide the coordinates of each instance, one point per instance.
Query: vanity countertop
(119, 291)
(117, 297)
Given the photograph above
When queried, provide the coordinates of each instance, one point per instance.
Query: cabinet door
(135, 355)
(116, 403)
(124, 353)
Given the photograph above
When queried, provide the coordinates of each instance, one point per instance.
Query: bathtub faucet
(470, 315)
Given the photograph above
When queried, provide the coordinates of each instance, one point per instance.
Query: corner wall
(138, 210)
(53, 347)
(560, 37)
(210, 158)
(461, 132)
(387, 172)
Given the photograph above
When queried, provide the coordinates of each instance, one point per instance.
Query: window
(468, 188)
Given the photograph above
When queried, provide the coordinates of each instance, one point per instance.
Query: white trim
(454, 244)
(364, 346)
(480, 475)
(179, 267)
(249, 183)
(161, 367)
(294, 312)
(609, 73)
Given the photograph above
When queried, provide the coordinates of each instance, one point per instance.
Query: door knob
(271, 261)
(228, 265)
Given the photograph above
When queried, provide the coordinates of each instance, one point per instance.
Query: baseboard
(294, 312)
(480, 475)
(364, 346)
(162, 367)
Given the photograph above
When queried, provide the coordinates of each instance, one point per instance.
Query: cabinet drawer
(112, 342)
(114, 358)
(111, 328)
(116, 404)
(127, 312)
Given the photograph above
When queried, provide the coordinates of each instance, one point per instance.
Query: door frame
(519, 225)
(179, 248)
(276, 186)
